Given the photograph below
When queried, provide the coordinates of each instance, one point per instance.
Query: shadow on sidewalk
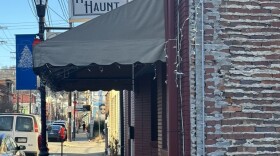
(77, 154)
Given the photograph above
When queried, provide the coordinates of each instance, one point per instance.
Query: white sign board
(79, 106)
(83, 10)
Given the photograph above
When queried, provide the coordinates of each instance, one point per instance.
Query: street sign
(84, 108)
(79, 106)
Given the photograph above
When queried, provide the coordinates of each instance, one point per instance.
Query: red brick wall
(143, 144)
(242, 77)
(184, 90)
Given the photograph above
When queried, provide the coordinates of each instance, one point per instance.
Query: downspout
(199, 67)
(179, 79)
(172, 103)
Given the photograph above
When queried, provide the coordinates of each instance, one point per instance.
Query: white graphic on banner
(25, 60)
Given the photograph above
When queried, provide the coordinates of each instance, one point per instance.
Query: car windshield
(6, 123)
(61, 124)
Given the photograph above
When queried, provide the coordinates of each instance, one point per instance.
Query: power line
(14, 23)
(62, 9)
(6, 37)
(48, 13)
(32, 9)
(58, 14)
(66, 8)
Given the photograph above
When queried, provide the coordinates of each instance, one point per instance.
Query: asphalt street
(81, 146)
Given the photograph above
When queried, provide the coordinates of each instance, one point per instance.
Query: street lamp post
(41, 9)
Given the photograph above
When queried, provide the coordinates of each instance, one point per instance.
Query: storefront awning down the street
(104, 53)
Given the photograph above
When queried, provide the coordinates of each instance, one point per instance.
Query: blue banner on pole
(25, 77)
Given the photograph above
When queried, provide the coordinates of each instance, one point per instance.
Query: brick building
(216, 93)
(225, 97)
(6, 93)
(240, 49)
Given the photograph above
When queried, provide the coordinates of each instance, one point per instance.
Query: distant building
(6, 96)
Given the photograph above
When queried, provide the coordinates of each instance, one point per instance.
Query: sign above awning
(84, 10)
(103, 50)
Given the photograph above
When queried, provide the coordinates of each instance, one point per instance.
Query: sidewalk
(78, 146)
(82, 140)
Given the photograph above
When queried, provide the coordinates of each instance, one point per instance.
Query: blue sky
(18, 17)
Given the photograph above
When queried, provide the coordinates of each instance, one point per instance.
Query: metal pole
(56, 114)
(74, 123)
(61, 147)
(17, 101)
(99, 121)
(30, 98)
(69, 118)
(44, 148)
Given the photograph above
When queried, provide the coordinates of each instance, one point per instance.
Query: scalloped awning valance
(99, 54)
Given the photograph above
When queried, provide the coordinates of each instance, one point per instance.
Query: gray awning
(132, 33)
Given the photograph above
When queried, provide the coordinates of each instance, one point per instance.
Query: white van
(24, 128)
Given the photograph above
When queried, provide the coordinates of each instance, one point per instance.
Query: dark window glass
(6, 123)
(24, 124)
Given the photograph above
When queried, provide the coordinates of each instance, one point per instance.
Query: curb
(84, 144)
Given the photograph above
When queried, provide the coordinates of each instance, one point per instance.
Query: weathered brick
(265, 129)
(227, 129)
(209, 57)
(213, 136)
(231, 122)
(243, 129)
(262, 115)
(211, 149)
(209, 129)
(246, 149)
(240, 141)
(232, 109)
(232, 149)
(270, 149)
(209, 83)
(210, 141)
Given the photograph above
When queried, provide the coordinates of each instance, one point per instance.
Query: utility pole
(30, 99)
(17, 101)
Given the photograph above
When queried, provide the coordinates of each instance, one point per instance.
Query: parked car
(23, 128)
(8, 146)
(63, 124)
(53, 132)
